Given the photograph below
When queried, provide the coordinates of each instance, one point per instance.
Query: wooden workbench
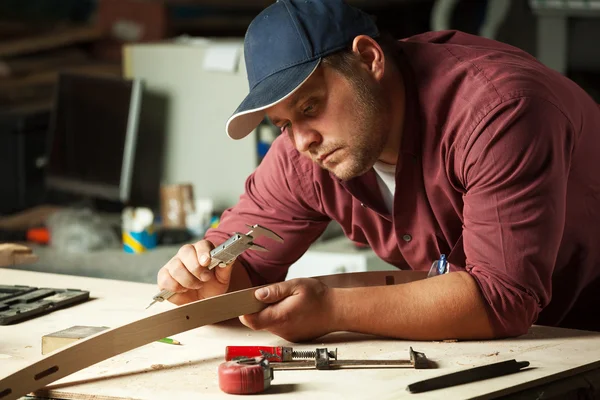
(164, 371)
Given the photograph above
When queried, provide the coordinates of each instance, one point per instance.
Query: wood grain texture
(159, 371)
(127, 337)
(118, 340)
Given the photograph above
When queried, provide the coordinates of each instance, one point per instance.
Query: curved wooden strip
(112, 342)
(371, 278)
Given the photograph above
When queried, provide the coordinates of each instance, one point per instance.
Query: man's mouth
(323, 158)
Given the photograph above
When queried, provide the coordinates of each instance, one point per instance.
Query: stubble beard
(368, 141)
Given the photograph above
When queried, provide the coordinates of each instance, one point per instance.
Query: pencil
(169, 341)
(468, 375)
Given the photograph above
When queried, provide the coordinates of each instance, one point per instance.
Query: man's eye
(309, 109)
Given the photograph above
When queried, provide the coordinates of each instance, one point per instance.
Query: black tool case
(19, 303)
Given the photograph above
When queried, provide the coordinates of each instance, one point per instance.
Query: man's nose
(305, 137)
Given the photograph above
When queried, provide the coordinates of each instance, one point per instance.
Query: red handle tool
(270, 353)
(245, 375)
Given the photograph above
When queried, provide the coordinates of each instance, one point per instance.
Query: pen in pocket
(439, 267)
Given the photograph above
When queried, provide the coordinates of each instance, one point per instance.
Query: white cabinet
(201, 83)
(336, 256)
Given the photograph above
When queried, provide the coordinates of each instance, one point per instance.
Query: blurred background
(108, 105)
(187, 55)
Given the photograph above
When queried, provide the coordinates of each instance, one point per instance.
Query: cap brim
(269, 92)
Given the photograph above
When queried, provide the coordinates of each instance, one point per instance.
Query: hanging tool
(241, 374)
(228, 251)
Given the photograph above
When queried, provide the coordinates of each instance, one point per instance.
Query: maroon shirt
(498, 171)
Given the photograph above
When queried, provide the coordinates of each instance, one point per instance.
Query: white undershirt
(386, 177)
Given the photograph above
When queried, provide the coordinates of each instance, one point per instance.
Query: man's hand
(187, 275)
(300, 309)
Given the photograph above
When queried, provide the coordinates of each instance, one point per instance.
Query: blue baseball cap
(284, 45)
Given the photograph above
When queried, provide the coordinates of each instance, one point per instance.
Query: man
(442, 143)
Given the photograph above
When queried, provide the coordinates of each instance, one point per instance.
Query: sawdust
(158, 366)
(491, 354)
(467, 364)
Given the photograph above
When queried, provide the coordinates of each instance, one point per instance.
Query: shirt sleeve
(514, 168)
(279, 195)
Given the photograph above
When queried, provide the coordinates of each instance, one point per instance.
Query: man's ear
(371, 55)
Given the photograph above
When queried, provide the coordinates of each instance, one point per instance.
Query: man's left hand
(299, 310)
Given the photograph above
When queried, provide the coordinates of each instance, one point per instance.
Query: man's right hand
(187, 274)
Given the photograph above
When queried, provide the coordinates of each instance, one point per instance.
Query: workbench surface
(165, 371)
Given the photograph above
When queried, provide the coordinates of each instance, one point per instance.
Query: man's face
(339, 123)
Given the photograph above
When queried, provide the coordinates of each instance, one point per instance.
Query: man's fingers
(202, 250)
(188, 258)
(244, 320)
(274, 293)
(223, 275)
(181, 275)
(166, 281)
(270, 316)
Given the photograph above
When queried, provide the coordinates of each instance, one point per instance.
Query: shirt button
(407, 238)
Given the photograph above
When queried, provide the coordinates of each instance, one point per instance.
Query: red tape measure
(245, 375)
